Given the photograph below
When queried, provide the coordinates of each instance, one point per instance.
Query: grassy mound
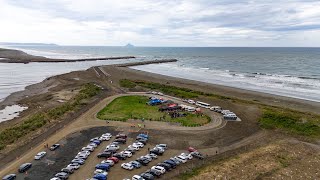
(135, 107)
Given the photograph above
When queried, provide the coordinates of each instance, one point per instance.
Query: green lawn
(135, 107)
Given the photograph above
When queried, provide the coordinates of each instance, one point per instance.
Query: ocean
(292, 72)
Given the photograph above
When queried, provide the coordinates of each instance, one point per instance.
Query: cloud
(162, 23)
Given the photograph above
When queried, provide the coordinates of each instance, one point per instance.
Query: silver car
(40, 155)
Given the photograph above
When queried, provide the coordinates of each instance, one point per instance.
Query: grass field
(135, 107)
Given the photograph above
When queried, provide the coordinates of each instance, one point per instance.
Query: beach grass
(38, 120)
(288, 120)
(135, 107)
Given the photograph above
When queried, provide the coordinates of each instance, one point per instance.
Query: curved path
(88, 120)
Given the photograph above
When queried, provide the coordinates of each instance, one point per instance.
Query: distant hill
(129, 45)
(26, 44)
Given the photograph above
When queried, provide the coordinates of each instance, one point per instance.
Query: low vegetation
(291, 121)
(36, 121)
(294, 122)
(135, 107)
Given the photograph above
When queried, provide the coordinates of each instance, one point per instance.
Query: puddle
(10, 112)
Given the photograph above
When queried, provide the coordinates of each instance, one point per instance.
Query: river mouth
(11, 112)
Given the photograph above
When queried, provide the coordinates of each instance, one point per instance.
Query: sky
(162, 22)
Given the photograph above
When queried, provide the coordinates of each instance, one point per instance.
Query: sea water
(292, 72)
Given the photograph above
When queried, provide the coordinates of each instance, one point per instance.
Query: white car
(100, 171)
(159, 168)
(40, 155)
(55, 178)
(139, 144)
(107, 135)
(160, 93)
(84, 152)
(127, 153)
(93, 145)
(112, 146)
(88, 148)
(134, 147)
(104, 138)
(137, 177)
(74, 166)
(153, 156)
(127, 166)
(188, 156)
(110, 162)
(182, 159)
(190, 101)
(164, 146)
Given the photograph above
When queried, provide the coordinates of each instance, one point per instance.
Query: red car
(191, 149)
(114, 159)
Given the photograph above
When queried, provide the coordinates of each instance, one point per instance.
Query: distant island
(129, 45)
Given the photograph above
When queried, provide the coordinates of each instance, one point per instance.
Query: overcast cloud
(162, 22)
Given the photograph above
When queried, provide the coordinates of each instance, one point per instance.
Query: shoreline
(17, 56)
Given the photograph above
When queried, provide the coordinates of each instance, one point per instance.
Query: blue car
(100, 177)
(105, 167)
(135, 164)
(144, 136)
(97, 142)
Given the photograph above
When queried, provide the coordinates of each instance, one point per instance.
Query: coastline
(123, 71)
(17, 56)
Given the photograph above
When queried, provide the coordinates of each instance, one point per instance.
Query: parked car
(55, 178)
(104, 138)
(171, 163)
(54, 147)
(156, 151)
(82, 156)
(133, 146)
(111, 150)
(112, 146)
(135, 164)
(164, 146)
(153, 156)
(144, 161)
(104, 155)
(9, 177)
(40, 155)
(100, 177)
(147, 176)
(105, 167)
(75, 166)
(114, 159)
(139, 144)
(93, 139)
(137, 177)
(68, 170)
(176, 161)
(167, 167)
(79, 161)
(127, 154)
(182, 159)
(133, 151)
(97, 142)
(188, 156)
(191, 149)
(155, 173)
(110, 162)
(62, 175)
(120, 156)
(100, 171)
(120, 140)
(123, 136)
(88, 148)
(197, 155)
(93, 145)
(142, 140)
(127, 166)
(162, 170)
(24, 167)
